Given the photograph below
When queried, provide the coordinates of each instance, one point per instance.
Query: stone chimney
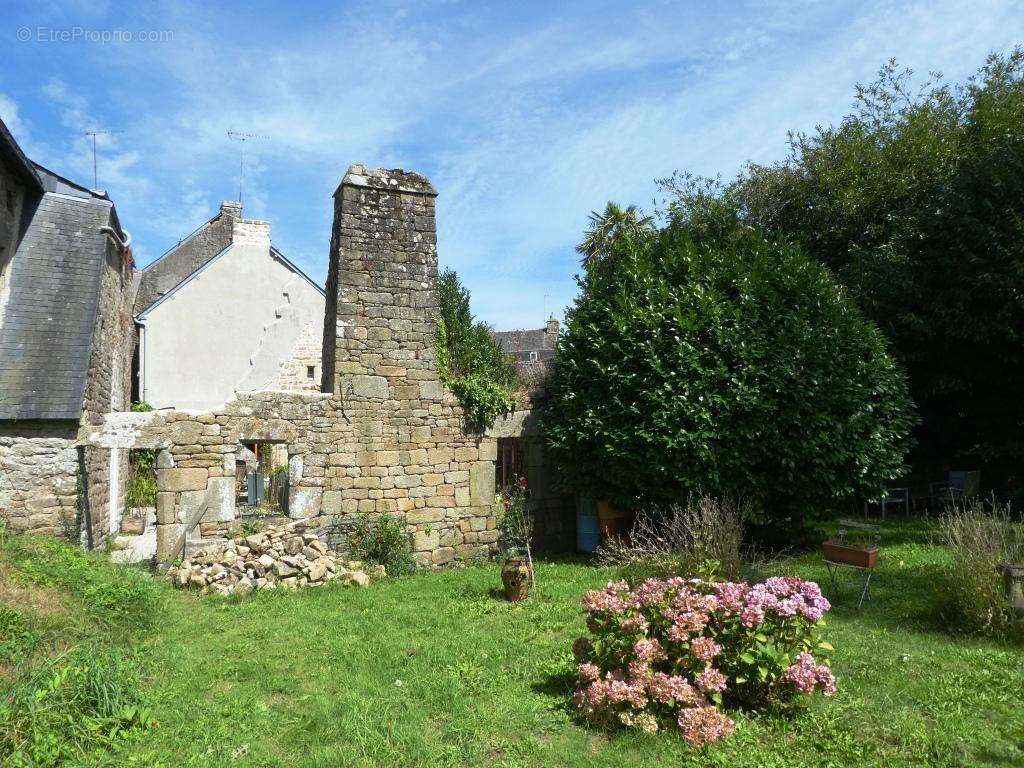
(381, 287)
(231, 208)
(551, 333)
(251, 232)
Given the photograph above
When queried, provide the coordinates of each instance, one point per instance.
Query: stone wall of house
(108, 389)
(12, 202)
(38, 476)
(307, 354)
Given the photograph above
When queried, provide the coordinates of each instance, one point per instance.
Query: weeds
(115, 597)
(682, 540)
(383, 541)
(981, 537)
(56, 710)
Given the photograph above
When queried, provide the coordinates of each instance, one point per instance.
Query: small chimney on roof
(232, 208)
(552, 326)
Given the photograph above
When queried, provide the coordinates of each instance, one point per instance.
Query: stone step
(193, 544)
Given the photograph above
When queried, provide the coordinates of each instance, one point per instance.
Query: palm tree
(608, 227)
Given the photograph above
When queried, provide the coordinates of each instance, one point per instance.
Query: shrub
(730, 369)
(981, 538)
(515, 528)
(384, 541)
(914, 201)
(85, 697)
(673, 653)
(684, 539)
(469, 360)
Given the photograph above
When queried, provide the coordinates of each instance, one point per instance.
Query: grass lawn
(438, 670)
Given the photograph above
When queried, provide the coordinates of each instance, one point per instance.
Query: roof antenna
(243, 137)
(94, 134)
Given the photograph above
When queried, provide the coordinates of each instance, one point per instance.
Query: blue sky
(525, 115)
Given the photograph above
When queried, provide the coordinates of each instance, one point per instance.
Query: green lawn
(438, 670)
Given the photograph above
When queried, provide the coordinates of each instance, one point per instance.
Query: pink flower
(672, 688)
(704, 648)
(648, 651)
(634, 625)
(588, 672)
(807, 675)
(711, 680)
(703, 725)
(751, 616)
(730, 595)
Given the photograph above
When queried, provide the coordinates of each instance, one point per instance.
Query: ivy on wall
(470, 361)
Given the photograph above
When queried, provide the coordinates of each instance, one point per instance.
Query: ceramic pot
(515, 575)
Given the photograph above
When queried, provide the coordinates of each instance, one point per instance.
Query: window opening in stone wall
(261, 478)
(509, 464)
(310, 371)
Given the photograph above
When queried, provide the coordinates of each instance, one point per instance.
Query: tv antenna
(94, 134)
(242, 138)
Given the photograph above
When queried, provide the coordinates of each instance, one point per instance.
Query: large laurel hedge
(738, 368)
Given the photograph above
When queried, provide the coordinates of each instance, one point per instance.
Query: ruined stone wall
(38, 469)
(107, 389)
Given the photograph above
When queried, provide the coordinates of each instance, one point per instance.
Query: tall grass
(981, 538)
(114, 596)
(682, 540)
(56, 710)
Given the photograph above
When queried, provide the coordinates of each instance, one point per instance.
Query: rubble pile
(277, 557)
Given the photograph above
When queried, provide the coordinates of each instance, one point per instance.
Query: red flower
(522, 483)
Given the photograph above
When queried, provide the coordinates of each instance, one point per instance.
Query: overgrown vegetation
(140, 487)
(915, 201)
(982, 538)
(69, 620)
(732, 368)
(469, 360)
(701, 536)
(61, 707)
(383, 540)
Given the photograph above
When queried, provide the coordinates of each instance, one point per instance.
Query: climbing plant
(470, 361)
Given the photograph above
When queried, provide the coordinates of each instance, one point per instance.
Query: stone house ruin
(226, 302)
(380, 434)
(383, 437)
(65, 342)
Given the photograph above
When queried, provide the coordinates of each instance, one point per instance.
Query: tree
(470, 361)
(916, 203)
(729, 369)
(605, 228)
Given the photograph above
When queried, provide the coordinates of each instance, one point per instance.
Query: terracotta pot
(515, 575)
(1013, 583)
(862, 557)
(613, 523)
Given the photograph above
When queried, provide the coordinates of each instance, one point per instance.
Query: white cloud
(524, 121)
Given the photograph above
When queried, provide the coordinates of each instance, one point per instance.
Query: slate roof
(527, 345)
(12, 154)
(47, 325)
(189, 257)
(534, 351)
(184, 259)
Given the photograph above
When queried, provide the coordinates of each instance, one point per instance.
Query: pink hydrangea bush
(672, 653)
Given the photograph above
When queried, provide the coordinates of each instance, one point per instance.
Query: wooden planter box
(861, 557)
